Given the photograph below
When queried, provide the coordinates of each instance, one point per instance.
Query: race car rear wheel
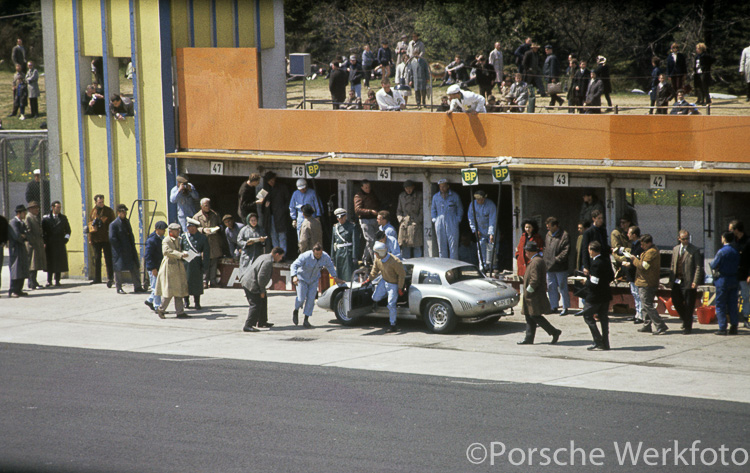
(439, 317)
(339, 309)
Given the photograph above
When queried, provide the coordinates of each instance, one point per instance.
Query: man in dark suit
(580, 84)
(597, 232)
(124, 255)
(535, 301)
(686, 274)
(594, 94)
(597, 296)
(677, 67)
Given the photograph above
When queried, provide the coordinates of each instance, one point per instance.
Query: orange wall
(218, 91)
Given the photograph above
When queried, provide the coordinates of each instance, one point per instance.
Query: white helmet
(301, 183)
(380, 249)
(454, 89)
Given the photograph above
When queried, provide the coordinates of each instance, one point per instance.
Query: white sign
(298, 171)
(658, 181)
(217, 168)
(560, 179)
(384, 174)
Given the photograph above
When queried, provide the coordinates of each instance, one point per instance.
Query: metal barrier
(21, 152)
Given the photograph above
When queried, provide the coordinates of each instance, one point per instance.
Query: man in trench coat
(56, 232)
(124, 255)
(535, 301)
(171, 281)
(19, 257)
(35, 244)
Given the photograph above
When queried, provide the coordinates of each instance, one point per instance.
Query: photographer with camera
(100, 218)
(185, 196)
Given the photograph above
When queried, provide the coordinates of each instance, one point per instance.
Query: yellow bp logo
(470, 176)
(313, 169)
(500, 173)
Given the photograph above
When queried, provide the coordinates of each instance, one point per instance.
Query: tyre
(439, 317)
(340, 310)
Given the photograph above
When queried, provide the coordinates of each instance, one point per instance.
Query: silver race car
(440, 291)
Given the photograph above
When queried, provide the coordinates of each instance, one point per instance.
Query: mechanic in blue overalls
(482, 219)
(392, 282)
(303, 195)
(305, 274)
(725, 266)
(446, 212)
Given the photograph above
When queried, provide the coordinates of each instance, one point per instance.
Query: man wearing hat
(210, 226)
(232, 231)
(124, 255)
(342, 246)
(56, 233)
(446, 212)
(34, 190)
(411, 221)
(465, 101)
(152, 259)
(195, 242)
(185, 196)
(356, 74)
(171, 281)
(311, 231)
(391, 284)
(303, 195)
(19, 257)
(35, 244)
(535, 302)
(366, 206)
(482, 220)
(100, 218)
(305, 271)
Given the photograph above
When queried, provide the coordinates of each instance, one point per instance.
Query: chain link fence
(21, 153)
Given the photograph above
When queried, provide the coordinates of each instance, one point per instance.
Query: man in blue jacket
(446, 212)
(305, 274)
(153, 259)
(725, 266)
(124, 255)
(303, 195)
(482, 220)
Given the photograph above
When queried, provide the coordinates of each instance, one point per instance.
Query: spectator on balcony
(337, 81)
(385, 59)
(352, 102)
(120, 107)
(518, 95)
(532, 72)
(465, 101)
(32, 83)
(401, 48)
(745, 69)
(551, 71)
(444, 104)
(702, 73)
(389, 99)
(602, 72)
(682, 106)
(419, 78)
(676, 67)
(664, 93)
(455, 72)
(520, 52)
(368, 63)
(416, 46)
(485, 75)
(654, 88)
(18, 54)
(593, 101)
(92, 102)
(371, 103)
(496, 61)
(355, 75)
(580, 85)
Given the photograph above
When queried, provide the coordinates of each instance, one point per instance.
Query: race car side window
(426, 277)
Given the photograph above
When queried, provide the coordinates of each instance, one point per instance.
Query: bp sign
(470, 176)
(313, 169)
(500, 173)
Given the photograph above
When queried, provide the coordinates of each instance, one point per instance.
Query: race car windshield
(463, 273)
